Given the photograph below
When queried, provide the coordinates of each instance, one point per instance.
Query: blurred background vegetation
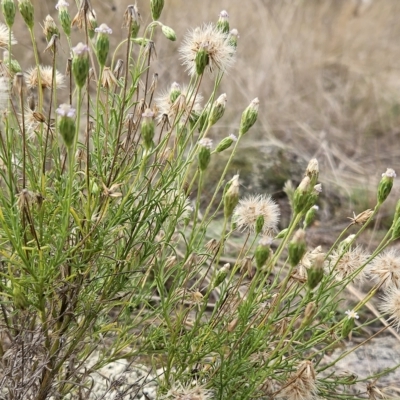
(327, 75)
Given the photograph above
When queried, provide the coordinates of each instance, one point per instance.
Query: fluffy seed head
(346, 265)
(4, 36)
(251, 208)
(218, 53)
(301, 385)
(391, 304)
(385, 269)
(188, 392)
(46, 74)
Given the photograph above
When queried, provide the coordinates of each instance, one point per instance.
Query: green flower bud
(102, 43)
(147, 129)
(225, 143)
(66, 123)
(259, 224)
(50, 28)
(385, 185)
(19, 297)
(15, 67)
(297, 247)
(64, 17)
(231, 196)
(205, 145)
(217, 110)
(80, 64)
(282, 233)
(349, 323)
(203, 119)
(262, 253)
(202, 59)
(174, 92)
(249, 117)
(233, 38)
(156, 8)
(222, 274)
(316, 272)
(27, 12)
(169, 33)
(310, 216)
(223, 22)
(9, 10)
(301, 195)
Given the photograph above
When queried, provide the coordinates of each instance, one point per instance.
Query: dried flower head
(361, 218)
(391, 304)
(301, 384)
(251, 208)
(208, 48)
(46, 77)
(384, 269)
(179, 391)
(171, 103)
(4, 36)
(345, 265)
(108, 79)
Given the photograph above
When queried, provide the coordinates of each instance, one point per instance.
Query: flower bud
(156, 8)
(249, 117)
(385, 185)
(66, 123)
(316, 272)
(309, 314)
(259, 224)
(174, 92)
(80, 64)
(312, 171)
(204, 153)
(64, 17)
(202, 58)
(169, 33)
(225, 143)
(147, 129)
(221, 275)
(8, 8)
(297, 247)
(263, 251)
(27, 12)
(310, 216)
(282, 233)
(102, 43)
(233, 38)
(50, 28)
(301, 195)
(223, 22)
(231, 196)
(349, 323)
(217, 110)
